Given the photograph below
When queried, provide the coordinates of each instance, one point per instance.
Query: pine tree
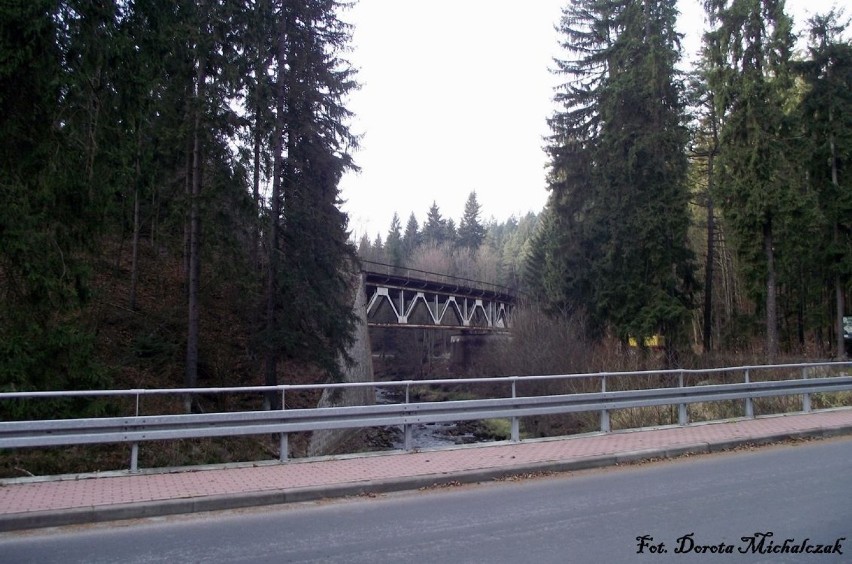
(618, 172)
(210, 84)
(312, 144)
(704, 150)
(131, 119)
(57, 96)
(755, 42)
(451, 232)
(435, 228)
(393, 242)
(378, 247)
(471, 231)
(645, 282)
(569, 235)
(827, 100)
(410, 238)
(259, 94)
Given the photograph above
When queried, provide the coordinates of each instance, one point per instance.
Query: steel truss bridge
(404, 297)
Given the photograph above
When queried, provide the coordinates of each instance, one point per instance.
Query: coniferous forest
(171, 212)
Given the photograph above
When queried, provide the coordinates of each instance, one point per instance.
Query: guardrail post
(604, 412)
(134, 448)
(682, 415)
(516, 432)
(806, 397)
(749, 405)
(406, 428)
(283, 439)
(134, 458)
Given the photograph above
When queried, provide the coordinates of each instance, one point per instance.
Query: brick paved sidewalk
(39, 503)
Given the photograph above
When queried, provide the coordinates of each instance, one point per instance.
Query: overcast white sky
(455, 96)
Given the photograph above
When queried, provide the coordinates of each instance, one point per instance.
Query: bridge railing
(389, 270)
(810, 378)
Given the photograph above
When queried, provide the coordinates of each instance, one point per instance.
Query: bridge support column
(327, 441)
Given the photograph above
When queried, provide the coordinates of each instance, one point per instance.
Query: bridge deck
(403, 297)
(408, 278)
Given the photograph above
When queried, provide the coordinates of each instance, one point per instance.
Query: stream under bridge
(391, 297)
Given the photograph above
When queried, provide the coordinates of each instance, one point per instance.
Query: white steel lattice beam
(448, 306)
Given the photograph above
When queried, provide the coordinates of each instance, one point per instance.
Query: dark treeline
(713, 208)
(170, 197)
(170, 207)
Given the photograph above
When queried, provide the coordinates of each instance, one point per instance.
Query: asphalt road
(800, 492)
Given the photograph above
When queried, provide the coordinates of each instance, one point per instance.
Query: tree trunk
(840, 306)
(134, 265)
(255, 247)
(708, 272)
(155, 212)
(188, 192)
(709, 267)
(194, 262)
(271, 400)
(771, 294)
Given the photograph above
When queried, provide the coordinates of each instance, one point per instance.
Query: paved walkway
(30, 503)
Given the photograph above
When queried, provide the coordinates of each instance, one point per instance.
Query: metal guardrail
(139, 428)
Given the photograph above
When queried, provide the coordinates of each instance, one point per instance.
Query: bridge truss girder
(390, 306)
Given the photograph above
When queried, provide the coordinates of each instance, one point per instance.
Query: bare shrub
(541, 344)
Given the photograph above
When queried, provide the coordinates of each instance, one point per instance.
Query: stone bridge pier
(328, 441)
(392, 297)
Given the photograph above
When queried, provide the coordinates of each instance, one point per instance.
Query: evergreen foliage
(153, 122)
(393, 243)
(435, 228)
(758, 181)
(186, 153)
(499, 259)
(471, 232)
(825, 109)
(412, 236)
(311, 318)
(615, 239)
(51, 84)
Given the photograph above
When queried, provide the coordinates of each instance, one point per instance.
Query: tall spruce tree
(435, 227)
(704, 149)
(256, 65)
(826, 107)
(57, 95)
(618, 171)
(754, 40)
(569, 237)
(410, 238)
(471, 232)
(307, 228)
(211, 83)
(393, 243)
